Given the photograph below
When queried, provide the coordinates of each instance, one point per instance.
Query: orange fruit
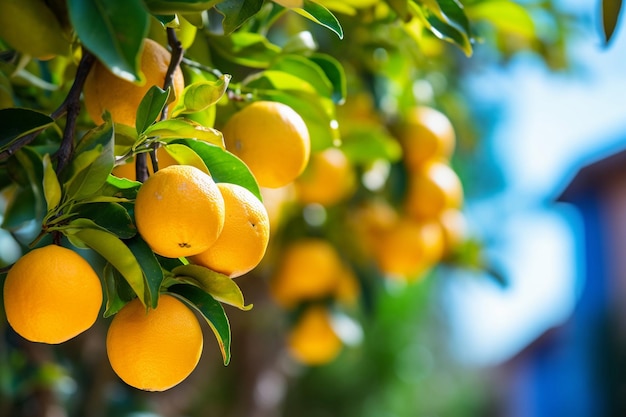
(51, 295)
(454, 226)
(409, 248)
(312, 340)
(433, 189)
(427, 134)
(128, 170)
(179, 211)
(272, 139)
(157, 349)
(243, 241)
(348, 289)
(105, 91)
(308, 269)
(276, 201)
(327, 179)
(369, 221)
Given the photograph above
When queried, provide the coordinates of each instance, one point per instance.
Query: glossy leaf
(184, 155)
(320, 15)
(443, 26)
(92, 163)
(506, 16)
(18, 122)
(161, 7)
(108, 215)
(237, 12)
(31, 164)
(150, 266)
(179, 129)
(20, 210)
(335, 74)
(200, 95)
(211, 310)
(249, 49)
(366, 144)
(111, 248)
(51, 185)
(113, 30)
(121, 188)
(223, 165)
(117, 290)
(307, 70)
(220, 286)
(150, 108)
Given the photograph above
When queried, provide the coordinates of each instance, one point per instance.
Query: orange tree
(96, 96)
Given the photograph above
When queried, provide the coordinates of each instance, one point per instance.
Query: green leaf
(223, 165)
(179, 6)
(184, 155)
(248, 49)
(183, 129)
(113, 30)
(150, 266)
(320, 15)
(611, 10)
(117, 290)
(505, 15)
(108, 215)
(401, 7)
(200, 95)
(365, 144)
(17, 122)
(150, 108)
(31, 164)
(304, 69)
(220, 286)
(335, 74)
(92, 163)
(111, 248)
(211, 310)
(51, 185)
(438, 21)
(21, 209)
(121, 188)
(237, 12)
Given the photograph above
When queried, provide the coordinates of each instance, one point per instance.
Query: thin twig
(193, 64)
(175, 60)
(71, 105)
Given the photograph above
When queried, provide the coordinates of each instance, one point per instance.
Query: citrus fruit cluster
(309, 278)
(430, 224)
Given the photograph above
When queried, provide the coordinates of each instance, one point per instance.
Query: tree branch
(71, 106)
(175, 60)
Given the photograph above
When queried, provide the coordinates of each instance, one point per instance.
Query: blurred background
(537, 330)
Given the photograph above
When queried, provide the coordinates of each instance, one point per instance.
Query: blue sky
(552, 125)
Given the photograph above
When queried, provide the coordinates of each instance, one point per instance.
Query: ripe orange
(308, 269)
(272, 139)
(327, 179)
(105, 91)
(454, 226)
(433, 189)
(409, 248)
(52, 294)
(179, 211)
(312, 340)
(157, 349)
(427, 134)
(369, 221)
(244, 238)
